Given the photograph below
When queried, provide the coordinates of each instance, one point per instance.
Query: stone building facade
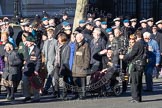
(138, 8)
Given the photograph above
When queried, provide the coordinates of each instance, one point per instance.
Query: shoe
(10, 98)
(130, 100)
(45, 92)
(26, 99)
(64, 96)
(74, 97)
(134, 101)
(56, 95)
(35, 101)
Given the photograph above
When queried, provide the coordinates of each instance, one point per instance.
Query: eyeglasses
(147, 38)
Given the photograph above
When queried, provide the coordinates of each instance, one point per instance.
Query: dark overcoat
(33, 62)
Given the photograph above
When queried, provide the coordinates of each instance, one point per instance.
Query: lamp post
(16, 8)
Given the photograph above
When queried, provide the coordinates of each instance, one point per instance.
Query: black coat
(133, 29)
(104, 35)
(143, 30)
(19, 37)
(79, 29)
(114, 59)
(33, 62)
(137, 52)
(65, 56)
(126, 32)
(38, 37)
(10, 71)
(159, 30)
(87, 35)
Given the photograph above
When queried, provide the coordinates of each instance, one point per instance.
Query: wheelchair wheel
(117, 90)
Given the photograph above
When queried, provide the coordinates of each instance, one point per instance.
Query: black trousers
(56, 79)
(54, 83)
(81, 83)
(136, 84)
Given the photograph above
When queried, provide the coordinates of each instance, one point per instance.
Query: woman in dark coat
(61, 64)
(10, 72)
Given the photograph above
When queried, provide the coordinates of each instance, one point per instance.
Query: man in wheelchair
(109, 73)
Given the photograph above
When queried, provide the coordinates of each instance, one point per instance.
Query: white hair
(98, 30)
(146, 35)
(9, 45)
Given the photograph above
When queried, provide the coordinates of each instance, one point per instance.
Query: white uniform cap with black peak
(50, 28)
(114, 27)
(143, 21)
(158, 22)
(150, 19)
(2, 23)
(133, 20)
(97, 19)
(25, 22)
(116, 19)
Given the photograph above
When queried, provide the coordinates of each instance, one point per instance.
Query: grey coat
(49, 53)
(10, 71)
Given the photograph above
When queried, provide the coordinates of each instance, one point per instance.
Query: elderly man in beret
(31, 67)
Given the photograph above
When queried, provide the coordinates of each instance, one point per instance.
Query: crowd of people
(49, 48)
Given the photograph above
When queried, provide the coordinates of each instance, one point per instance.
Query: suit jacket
(33, 62)
(95, 49)
(49, 51)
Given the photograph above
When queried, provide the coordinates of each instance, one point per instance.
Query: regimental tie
(29, 51)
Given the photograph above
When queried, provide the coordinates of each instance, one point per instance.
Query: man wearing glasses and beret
(31, 67)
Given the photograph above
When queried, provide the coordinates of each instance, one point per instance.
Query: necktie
(29, 50)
